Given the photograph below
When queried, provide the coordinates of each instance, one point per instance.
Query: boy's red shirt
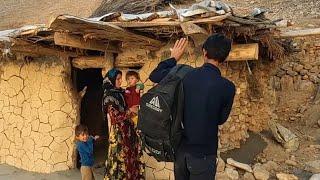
(132, 97)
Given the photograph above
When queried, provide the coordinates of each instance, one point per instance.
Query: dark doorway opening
(91, 113)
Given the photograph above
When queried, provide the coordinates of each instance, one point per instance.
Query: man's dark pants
(189, 167)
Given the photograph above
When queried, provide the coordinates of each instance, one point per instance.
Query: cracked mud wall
(37, 114)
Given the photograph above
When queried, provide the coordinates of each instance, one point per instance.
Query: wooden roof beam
(76, 41)
(36, 49)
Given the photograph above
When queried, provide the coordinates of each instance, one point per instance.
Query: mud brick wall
(37, 115)
(16, 13)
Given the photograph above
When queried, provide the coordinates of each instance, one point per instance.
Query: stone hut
(51, 77)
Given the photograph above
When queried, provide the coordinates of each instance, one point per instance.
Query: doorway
(91, 113)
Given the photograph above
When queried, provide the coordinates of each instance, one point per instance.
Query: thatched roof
(131, 6)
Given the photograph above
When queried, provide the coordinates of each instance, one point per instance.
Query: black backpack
(161, 114)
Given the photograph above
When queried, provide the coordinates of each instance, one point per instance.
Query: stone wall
(16, 13)
(296, 80)
(37, 115)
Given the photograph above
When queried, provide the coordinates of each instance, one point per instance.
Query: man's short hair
(217, 47)
(132, 73)
(81, 129)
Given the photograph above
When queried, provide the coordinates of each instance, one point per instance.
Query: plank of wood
(85, 62)
(300, 33)
(76, 41)
(169, 22)
(244, 52)
(106, 31)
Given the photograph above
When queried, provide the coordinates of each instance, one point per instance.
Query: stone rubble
(239, 165)
(248, 176)
(313, 166)
(232, 174)
(270, 166)
(221, 165)
(315, 177)
(291, 163)
(260, 173)
(284, 136)
(283, 176)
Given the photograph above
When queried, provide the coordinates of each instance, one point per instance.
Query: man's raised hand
(179, 48)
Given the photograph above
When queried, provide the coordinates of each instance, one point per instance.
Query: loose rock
(248, 176)
(270, 166)
(284, 136)
(239, 165)
(282, 176)
(221, 165)
(313, 166)
(260, 173)
(291, 163)
(232, 174)
(315, 177)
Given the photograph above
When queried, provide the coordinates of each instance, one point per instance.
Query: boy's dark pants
(188, 167)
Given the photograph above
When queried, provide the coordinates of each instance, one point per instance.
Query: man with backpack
(208, 99)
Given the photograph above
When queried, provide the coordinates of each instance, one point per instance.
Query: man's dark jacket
(208, 102)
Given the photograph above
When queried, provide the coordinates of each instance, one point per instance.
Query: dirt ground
(12, 173)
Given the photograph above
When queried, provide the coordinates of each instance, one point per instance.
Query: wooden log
(36, 49)
(300, 33)
(65, 39)
(244, 52)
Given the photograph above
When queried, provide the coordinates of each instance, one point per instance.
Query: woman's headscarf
(112, 95)
(111, 77)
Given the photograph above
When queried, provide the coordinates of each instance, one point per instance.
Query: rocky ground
(300, 12)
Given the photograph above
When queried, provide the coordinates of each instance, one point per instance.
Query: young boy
(85, 148)
(132, 93)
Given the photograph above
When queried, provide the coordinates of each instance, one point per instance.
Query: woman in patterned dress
(124, 152)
